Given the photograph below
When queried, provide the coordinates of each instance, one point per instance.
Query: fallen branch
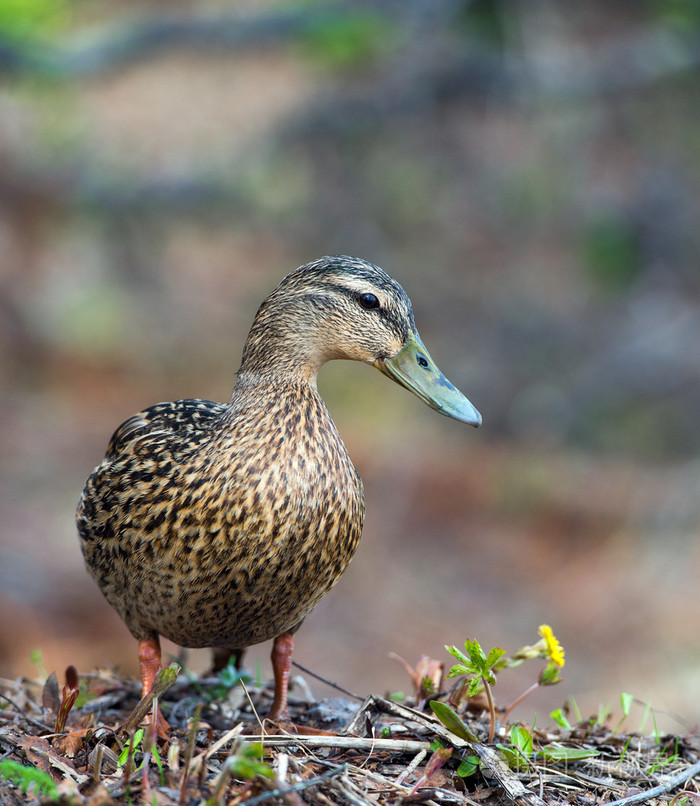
(671, 783)
(341, 743)
(164, 679)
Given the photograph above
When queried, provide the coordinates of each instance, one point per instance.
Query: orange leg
(149, 661)
(281, 657)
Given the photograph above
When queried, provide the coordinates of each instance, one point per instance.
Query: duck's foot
(149, 662)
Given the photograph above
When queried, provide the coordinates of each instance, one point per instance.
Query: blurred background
(529, 171)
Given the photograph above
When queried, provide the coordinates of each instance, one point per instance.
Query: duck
(222, 525)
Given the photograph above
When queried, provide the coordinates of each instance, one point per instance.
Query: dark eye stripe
(368, 301)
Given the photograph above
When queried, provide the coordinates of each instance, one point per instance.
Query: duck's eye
(368, 301)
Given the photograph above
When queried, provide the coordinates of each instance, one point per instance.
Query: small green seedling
(519, 752)
(247, 762)
(131, 747)
(27, 778)
(559, 717)
(626, 701)
(478, 668)
(229, 677)
(664, 759)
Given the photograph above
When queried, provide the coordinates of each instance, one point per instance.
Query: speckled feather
(223, 525)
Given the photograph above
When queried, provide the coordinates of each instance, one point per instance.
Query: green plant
(664, 759)
(478, 668)
(559, 717)
(244, 763)
(518, 753)
(626, 701)
(247, 762)
(28, 778)
(131, 747)
(229, 677)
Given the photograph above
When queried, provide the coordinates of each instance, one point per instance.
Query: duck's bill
(414, 369)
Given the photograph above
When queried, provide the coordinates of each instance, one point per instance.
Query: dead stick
(511, 784)
(342, 742)
(164, 679)
(671, 783)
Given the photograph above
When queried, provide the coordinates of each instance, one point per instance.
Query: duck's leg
(149, 661)
(281, 657)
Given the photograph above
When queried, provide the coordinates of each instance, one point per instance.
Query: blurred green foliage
(345, 40)
(33, 19)
(611, 253)
(680, 14)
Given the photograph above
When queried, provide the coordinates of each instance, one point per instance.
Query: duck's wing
(189, 419)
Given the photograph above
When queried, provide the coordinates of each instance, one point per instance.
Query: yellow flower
(554, 649)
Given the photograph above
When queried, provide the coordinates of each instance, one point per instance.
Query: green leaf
(25, 19)
(344, 40)
(521, 738)
(518, 753)
(560, 718)
(494, 656)
(459, 669)
(134, 743)
(626, 701)
(514, 757)
(476, 653)
(247, 763)
(457, 653)
(452, 721)
(468, 766)
(489, 677)
(559, 752)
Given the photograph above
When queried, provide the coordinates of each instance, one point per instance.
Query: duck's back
(222, 525)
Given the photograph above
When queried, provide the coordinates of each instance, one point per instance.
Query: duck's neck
(277, 353)
(271, 382)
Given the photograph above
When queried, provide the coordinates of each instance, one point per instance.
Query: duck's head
(344, 307)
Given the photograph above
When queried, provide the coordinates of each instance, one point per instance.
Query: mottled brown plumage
(223, 525)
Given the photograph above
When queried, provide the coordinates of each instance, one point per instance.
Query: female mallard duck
(223, 525)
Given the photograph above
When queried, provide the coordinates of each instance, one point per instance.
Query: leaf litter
(91, 749)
